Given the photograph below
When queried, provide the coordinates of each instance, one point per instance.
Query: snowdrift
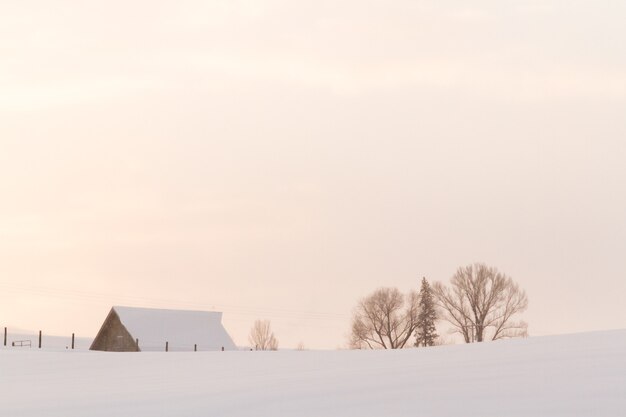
(570, 375)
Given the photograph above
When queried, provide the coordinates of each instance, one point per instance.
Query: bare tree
(262, 337)
(386, 319)
(481, 304)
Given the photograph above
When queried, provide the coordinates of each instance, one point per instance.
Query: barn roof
(181, 328)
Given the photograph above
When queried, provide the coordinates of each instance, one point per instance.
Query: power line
(81, 296)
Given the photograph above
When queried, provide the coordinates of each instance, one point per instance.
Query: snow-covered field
(571, 375)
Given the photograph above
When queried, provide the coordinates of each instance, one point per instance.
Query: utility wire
(82, 296)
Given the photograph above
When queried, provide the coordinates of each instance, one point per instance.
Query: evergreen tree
(426, 332)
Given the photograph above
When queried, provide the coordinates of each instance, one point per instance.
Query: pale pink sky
(281, 159)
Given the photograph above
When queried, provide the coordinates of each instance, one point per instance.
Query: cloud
(478, 77)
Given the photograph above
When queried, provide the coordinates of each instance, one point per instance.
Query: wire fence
(39, 340)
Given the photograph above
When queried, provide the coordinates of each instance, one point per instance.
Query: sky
(280, 160)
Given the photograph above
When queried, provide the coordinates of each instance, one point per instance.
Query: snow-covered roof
(180, 328)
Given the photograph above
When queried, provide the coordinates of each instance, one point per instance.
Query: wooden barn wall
(113, 336)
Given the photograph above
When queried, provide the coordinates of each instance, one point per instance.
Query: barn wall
(113, 336)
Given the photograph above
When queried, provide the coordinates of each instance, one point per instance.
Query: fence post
(72, 340)
(195, 347)
(39, 339)
(137, 344)
(167, 346)
(5, 336)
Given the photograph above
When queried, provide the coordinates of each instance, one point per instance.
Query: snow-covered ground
(570, 375)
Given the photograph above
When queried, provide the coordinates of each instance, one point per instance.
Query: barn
(132, 329)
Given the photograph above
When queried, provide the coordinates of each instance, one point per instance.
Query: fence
(22, 339)
(37, 339)
(167, 346)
